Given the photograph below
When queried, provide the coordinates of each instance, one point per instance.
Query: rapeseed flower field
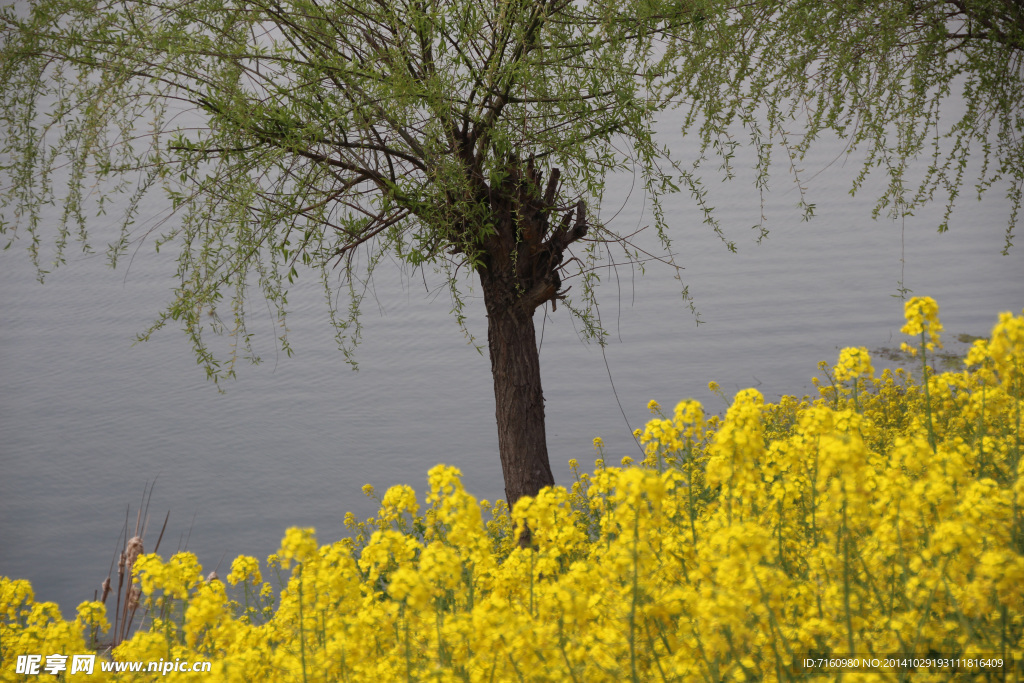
(883, 516)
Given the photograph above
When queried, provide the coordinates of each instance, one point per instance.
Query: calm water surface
(87, 418)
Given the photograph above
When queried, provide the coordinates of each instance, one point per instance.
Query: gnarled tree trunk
(518, 272)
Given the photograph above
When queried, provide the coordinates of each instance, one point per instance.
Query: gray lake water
(87, 418)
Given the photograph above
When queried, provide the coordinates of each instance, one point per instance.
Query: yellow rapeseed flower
(922, 315)
(297, 544)
(245, 568)
(854, 363)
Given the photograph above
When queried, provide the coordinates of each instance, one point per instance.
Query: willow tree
(929, 93)
(473, 138)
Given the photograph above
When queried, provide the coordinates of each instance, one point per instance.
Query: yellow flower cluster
(853, 364)
(30, 627)
(883, 516)
(922, 314)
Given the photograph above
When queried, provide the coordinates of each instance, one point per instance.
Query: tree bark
(518, 396)
(520, 257)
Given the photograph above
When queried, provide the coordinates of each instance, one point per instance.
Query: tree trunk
(518, 397)
(519, 260)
